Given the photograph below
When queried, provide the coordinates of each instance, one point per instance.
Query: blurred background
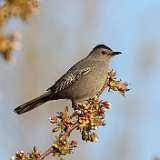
(61, 34)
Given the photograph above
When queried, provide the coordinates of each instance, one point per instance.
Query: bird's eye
(103, 52)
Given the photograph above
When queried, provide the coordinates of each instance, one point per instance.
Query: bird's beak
(115, 53)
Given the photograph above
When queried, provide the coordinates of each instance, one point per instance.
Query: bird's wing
(68, 79)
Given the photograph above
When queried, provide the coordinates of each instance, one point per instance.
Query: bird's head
(103, 52)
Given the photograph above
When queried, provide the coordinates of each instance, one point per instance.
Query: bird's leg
(103, 88)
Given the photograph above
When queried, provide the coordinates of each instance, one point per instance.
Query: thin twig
(70, 129)
(51, 150)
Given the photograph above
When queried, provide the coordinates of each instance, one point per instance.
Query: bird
(81, 82)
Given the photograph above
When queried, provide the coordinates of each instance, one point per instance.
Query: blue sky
(59, 36)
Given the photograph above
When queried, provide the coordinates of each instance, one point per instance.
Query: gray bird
(81, 82)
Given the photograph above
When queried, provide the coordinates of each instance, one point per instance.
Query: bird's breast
(89, 85)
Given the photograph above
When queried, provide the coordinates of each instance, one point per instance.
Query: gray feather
(68, 79)
(33, 103)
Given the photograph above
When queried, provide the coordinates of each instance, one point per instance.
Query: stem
(70, 129)
(51, 150)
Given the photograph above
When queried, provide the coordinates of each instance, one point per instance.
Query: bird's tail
(33, 103)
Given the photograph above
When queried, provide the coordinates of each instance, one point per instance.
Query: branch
(17, 8)
(14, 8)
(86, 118)
(49, 151)
(9, 44)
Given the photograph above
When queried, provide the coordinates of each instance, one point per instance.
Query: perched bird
(81, 82)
